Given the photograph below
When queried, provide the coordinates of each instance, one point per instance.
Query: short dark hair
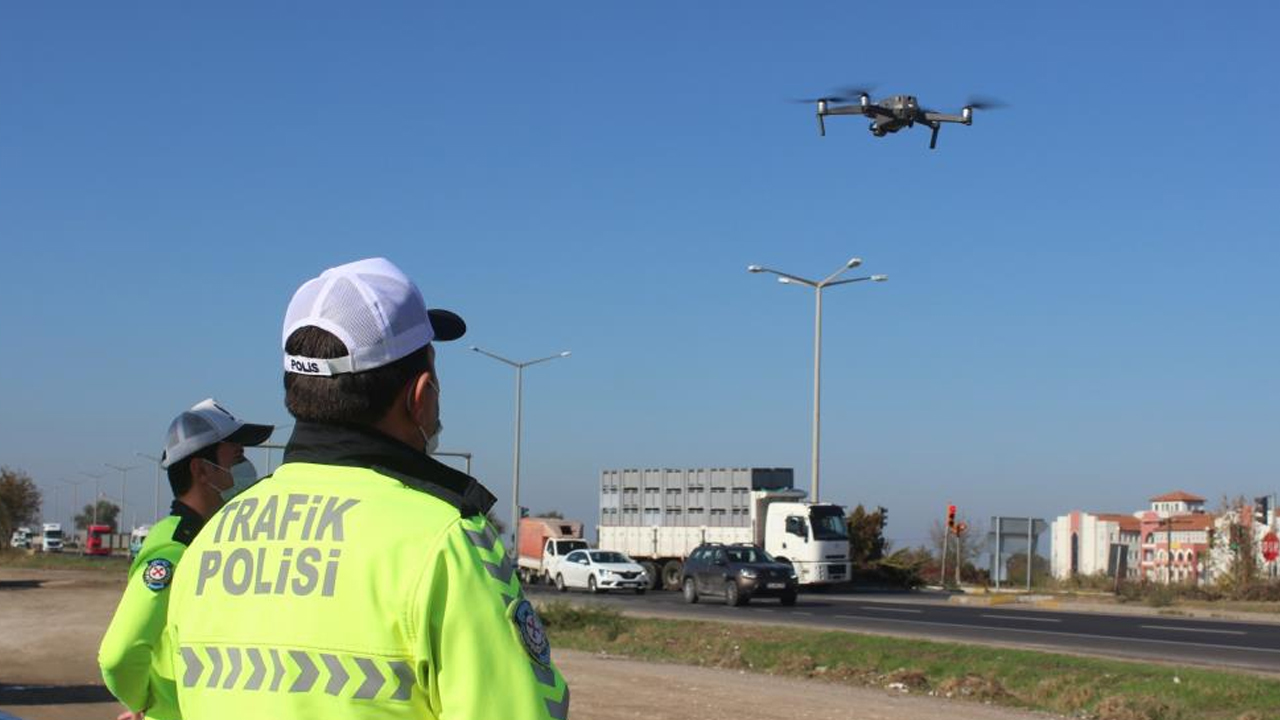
(180, 472)
(361, 398)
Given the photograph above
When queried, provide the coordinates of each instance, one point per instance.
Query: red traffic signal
(951, 518)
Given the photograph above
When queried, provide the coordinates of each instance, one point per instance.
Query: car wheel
(789, 599)
(732, 595)
(671, 573)
(591, 584)
(690, 591)
(560, 583)
(651, 572)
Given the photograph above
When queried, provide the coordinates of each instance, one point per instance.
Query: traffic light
(1260, 507)
(951, 518)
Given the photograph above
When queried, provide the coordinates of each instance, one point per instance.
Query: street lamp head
(784, 280)
(754, 268)
(879, 278)
(566, 353)
(853, 262)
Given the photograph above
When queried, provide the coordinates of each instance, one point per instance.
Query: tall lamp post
(75, 500)
(157, 461)
(124, 476)
(818, 286)
(515, 472)
(97, 491)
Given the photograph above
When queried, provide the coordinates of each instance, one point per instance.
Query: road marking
(1019, 617)
(850, 617)
(1199, 630)
(887, 609)
(1082, 636)
(798, 612)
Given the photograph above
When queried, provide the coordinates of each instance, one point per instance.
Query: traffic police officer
(360, 580)
(204, 457)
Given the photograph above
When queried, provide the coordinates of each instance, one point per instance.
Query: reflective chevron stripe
(493, 557)
(559, 709)
(547, 676)
(379, 678)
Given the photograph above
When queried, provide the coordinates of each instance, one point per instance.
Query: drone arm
(933, 117)
(850, 110)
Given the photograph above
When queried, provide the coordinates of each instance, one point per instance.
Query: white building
(1092, 543)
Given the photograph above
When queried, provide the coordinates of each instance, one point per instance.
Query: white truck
(543, 543)
(51, 537)
(21, 538)
(660, 516)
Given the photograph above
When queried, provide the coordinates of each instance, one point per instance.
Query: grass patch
(1077, 686)
(62, 561)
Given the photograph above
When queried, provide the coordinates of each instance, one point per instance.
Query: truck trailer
(659, 516)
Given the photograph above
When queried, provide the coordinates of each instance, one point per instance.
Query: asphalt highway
(1240, 645)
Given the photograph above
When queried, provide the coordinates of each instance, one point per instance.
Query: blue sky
(1082, 304)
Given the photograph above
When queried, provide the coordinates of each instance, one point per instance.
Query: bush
(563, 617)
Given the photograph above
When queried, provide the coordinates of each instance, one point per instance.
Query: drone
(895, 112)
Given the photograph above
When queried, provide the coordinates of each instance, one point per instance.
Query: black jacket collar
(189, 522)
(353, 446)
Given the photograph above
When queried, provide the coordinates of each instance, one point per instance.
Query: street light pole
(97, 492)
(75, 500)
(157, 461)
(818, 286)
(124, 475)
(515, 470)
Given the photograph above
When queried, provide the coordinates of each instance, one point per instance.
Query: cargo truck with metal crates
(658, 517)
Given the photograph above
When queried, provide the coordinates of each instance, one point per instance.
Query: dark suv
(736, 573)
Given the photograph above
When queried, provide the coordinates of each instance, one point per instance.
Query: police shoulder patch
(158, 574)
(532, 634)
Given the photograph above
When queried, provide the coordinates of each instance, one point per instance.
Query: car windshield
(828, 524)
(748, 555)
(609, 557)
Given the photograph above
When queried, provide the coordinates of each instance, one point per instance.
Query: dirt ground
(51, 622)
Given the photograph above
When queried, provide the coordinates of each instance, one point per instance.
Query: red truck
(96, 540)
(543, 542)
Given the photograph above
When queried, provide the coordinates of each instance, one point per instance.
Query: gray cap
(203, 425)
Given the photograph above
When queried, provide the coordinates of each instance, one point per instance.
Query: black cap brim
(446, 325)
(250, 434)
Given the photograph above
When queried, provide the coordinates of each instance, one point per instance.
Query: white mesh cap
(207, 423)
(374, 309)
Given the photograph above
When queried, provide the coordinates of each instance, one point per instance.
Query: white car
(600, 570)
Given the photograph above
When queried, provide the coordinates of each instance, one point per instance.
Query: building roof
(1127, 523)
(1178, 496)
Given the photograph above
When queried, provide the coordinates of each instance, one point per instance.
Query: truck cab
(810, 536)
(51, 537)
(95, 540)
(21, 538)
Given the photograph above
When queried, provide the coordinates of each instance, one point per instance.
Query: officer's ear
(422, 398)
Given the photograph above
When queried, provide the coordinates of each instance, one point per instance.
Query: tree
(866, 535)
(1016, 569)
(19, 501)
(970, 547)
(108, 512)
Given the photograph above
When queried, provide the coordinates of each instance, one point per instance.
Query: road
(1240, 645)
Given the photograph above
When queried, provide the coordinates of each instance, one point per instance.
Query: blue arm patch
(158, 574)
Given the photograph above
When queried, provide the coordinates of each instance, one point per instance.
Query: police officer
(361, 580)
(204, 457)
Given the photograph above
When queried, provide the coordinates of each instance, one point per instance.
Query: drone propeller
(858, 90)
(831, 99)
(979, 102)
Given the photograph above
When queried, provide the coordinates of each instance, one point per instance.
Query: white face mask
(430, 442)
(243, 475)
